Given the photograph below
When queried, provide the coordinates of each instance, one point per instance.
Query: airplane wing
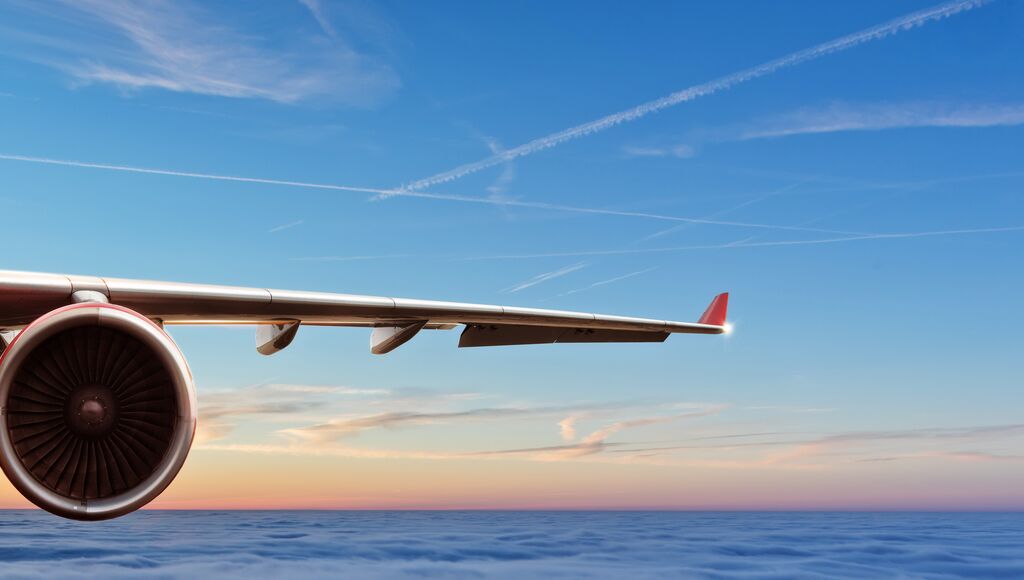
(25, 296)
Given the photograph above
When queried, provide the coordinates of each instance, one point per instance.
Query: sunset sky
(850, 172)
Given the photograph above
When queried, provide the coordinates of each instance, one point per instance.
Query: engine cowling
(98, 411)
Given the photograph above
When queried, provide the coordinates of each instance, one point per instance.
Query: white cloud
(680, 151)
(332, 430)
(326, 389)
(884, 445)
(597, 442)
(567, 427)
(184, 47)
(316, 10)
(500, 185)
(876, 117)
(841, 117)
(597, 439)
(220, 409)
(322, 420)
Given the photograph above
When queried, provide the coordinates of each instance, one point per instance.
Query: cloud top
(509, 545)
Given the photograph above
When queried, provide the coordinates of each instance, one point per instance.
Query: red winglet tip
(715, 314)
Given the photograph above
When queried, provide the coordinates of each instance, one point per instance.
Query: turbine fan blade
(92, 412)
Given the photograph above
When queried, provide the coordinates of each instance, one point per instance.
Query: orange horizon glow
(236, 481)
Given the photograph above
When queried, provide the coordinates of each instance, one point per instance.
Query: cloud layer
(350, 422)
(513, 545)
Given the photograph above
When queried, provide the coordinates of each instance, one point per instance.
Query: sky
(849, 172)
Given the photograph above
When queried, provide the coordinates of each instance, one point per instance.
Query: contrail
(286, 226)
(151, 171)
(653, 216)
(890, 28)
(608, 281)
(671, 249)
(586, 253)
(413, 194)
(729, 210)
(353, 258)
(541, 278)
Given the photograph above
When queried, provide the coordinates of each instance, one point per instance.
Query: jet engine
(97, 411)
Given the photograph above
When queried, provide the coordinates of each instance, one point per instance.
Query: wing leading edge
(25, 296)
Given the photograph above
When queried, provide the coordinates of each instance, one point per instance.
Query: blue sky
(866, 203)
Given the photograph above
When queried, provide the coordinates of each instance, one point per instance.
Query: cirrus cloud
(186, 47)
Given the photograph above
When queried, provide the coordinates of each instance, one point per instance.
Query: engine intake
(98, 411)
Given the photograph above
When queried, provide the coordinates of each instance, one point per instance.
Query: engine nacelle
(98, 411)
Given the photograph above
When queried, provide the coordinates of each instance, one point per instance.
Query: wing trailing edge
(513, 334)
(24, 296)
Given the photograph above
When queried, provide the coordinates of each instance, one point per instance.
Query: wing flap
(515, 334)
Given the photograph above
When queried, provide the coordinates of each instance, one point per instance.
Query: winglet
(715, 314)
